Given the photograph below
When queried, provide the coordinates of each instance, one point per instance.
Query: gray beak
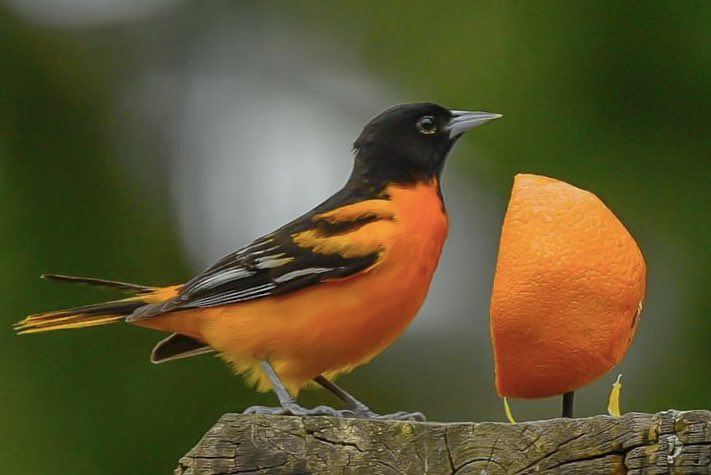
(463, 121)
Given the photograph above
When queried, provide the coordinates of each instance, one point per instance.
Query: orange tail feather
(96, 314)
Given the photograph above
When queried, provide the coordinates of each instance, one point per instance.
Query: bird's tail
(95, 314)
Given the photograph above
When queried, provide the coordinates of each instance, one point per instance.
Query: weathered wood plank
(669, 442)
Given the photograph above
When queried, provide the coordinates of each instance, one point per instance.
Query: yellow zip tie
(507, 409)
(613, 405)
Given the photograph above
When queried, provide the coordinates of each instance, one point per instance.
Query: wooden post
(669, 442)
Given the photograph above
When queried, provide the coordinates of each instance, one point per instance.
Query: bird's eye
(427, 125)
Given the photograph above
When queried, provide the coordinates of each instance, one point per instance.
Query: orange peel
(568, 290)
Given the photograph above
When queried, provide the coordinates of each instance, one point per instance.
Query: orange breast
(335, 326)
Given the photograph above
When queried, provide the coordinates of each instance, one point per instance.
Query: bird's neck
(377, 169)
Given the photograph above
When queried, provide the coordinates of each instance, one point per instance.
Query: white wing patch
(270, 262)
(262, 251)
(215, 280)
(301, 273)
(254, 247)
(235, 296)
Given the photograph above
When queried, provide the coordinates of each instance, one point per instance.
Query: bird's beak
(463, 121)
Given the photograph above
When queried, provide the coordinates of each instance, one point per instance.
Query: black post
(568, 403)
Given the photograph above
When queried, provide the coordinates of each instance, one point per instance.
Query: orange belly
(334, 326)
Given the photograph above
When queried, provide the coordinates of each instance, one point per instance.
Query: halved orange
(567, 293)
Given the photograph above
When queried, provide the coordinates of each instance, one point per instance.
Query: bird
(322, 294)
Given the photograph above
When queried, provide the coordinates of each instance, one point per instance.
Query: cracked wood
(669, 442)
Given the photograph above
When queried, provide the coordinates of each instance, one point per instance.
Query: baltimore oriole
(324, 293)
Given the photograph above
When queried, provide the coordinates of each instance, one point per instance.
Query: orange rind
(568, 290)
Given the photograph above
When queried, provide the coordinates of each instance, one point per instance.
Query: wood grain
(669, 442)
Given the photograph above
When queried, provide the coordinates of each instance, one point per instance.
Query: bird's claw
(395, 416)
(265, 410)
(406, 416)
(297, 410)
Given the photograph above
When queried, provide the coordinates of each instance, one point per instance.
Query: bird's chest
(376, 309)
(411, 257)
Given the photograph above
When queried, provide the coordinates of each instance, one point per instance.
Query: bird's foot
(395, 416)
(404, 416)
(265, 410)
(364, 412)
(297, 410)
(360, 413)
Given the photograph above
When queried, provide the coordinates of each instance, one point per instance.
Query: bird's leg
(568, 403)
(361, 410)
(353, 404)
(287, 401)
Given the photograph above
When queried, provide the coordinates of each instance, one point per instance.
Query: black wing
(315, 248)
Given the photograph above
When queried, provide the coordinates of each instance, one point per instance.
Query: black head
(410, 142)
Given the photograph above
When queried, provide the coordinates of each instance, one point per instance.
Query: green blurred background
(141, 139)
